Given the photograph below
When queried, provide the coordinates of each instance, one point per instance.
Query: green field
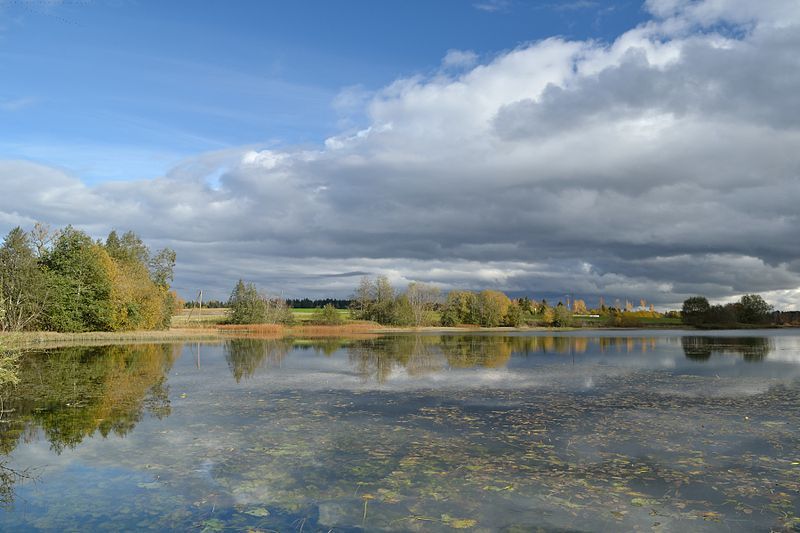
(305, 314)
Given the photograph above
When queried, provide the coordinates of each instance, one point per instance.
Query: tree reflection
(245, 356)
(71, 393)
(751, 349)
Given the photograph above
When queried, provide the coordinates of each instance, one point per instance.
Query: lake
(586, 430)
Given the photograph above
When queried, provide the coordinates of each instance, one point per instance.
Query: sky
(626, 149)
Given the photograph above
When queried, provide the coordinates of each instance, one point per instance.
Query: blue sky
(122, 90)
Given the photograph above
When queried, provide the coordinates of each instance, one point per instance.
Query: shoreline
(48, 339)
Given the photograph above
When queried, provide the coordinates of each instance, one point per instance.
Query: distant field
(208, 317)
(304, 314)
(192, 318)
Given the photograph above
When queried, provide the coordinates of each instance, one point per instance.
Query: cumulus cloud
(659, 165)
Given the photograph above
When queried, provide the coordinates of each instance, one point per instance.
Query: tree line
(65, 281)
(751, 309)
(423, 304)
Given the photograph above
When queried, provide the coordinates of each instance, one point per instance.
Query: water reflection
(245, 356)
(750, 348)
(410, 432)
(375, 359)
(73, 393)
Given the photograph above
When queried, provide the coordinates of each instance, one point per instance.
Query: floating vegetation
(346, 435)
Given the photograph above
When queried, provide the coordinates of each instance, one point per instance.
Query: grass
(51, 339)
(193, 318)
(306, 314)
(199, 318)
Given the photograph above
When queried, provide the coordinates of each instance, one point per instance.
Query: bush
(327, 316)
(247, 306)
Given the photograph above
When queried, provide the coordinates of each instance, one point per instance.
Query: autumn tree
(422, 298)
(459, 308)
(514, 314)
(492, 307)
(562, 316)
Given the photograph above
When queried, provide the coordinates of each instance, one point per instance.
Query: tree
(722, 314)
(753, 309)
(562, 316)
(695, 310)
(23, 289)
(362, 299)
(459, 308)
(162, 267)
(80, 285)
(421, 299)
(513, 316)
(246, 305)
(548, 315)
(492, 308)
(383, 301)
(42, 238)
(579, 307)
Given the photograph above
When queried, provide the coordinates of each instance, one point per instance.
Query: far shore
(219, 333)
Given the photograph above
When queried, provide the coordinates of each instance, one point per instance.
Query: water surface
(662, 431)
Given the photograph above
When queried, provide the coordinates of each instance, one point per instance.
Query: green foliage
(80, 284)
(247, 306)
(162, 266)
(695, 310)
(491, 308)
(327, 315)
(562, 316)
(22, 283)
(459, 308)
(375, 301)
(753, 309)
(402, 313)
(64, 281)
(514, 315)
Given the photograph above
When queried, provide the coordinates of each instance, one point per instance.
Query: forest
(62, 280)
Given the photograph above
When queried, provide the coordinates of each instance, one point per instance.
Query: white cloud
(455, 59)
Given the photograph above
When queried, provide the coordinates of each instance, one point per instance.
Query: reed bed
(49, 339)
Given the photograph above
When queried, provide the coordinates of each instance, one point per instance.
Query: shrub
(327, 316)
